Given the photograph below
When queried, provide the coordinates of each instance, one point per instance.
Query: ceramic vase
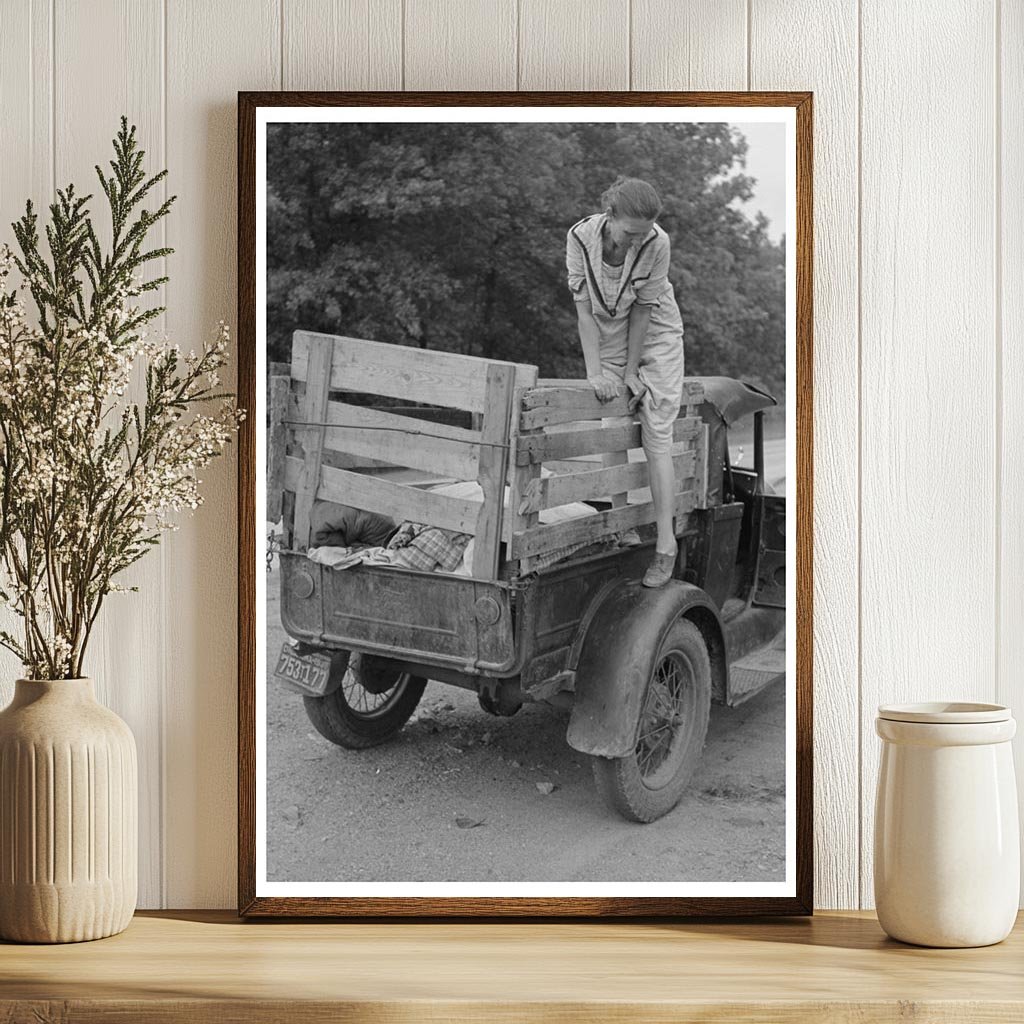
(68, 815)
(947, 847)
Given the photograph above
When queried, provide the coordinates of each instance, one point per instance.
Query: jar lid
(945, 712)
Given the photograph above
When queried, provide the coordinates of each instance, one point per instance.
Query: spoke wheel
(673, 724)
(368, 705)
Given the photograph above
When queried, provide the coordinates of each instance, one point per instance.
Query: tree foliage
(452, 236)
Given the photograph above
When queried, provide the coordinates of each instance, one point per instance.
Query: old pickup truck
(545, 611)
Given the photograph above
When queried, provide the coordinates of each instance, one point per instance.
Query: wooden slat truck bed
(536, 444)
(523, 426)
(563, 427)
(327, 364)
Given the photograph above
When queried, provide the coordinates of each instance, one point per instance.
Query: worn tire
(648, 782)
(357, 717)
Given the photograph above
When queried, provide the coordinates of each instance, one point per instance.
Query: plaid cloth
(428, 548)
(542, 561)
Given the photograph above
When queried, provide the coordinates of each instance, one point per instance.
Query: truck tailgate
(430, 617)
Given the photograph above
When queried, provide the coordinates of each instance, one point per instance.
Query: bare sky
(766, 161)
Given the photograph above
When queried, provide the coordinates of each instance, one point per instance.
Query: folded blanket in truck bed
(412, 546)
(471, 491)
(422, 547)
(428, 547)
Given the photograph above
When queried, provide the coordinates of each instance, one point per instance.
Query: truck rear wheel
(369, 703)
(649, 781)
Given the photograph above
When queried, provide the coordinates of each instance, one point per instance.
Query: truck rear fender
(616, 655)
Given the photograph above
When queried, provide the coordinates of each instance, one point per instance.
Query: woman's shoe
(630, 539)
(659, 572)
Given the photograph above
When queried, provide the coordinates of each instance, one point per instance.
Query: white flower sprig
(88, 477)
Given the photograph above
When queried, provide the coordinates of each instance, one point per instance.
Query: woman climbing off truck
(631, 332)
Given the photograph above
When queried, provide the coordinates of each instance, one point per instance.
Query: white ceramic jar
(947, 847)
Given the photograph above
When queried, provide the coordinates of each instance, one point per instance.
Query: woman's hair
(632, 197)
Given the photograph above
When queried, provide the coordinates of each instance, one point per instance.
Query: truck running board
(756, 670)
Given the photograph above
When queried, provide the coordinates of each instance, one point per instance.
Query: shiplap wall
(919, 306)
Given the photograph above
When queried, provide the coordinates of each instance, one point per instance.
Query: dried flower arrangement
(89, 477)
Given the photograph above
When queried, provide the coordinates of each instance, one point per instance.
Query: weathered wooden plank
(692, 386)
(314, 412)
(553, 402)
(401, 440)
(546, 407)
(520, 478)
(397, 371)
(287, 513)
(562, 466)
(593, 440)
(342, 461)
(493, 463)
(700, 467)
(551, 536)
(277, 439)
(414, 423)
(552, 491)
(400, 501)
(693, 393)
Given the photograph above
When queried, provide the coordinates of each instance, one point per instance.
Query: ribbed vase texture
(68, 815)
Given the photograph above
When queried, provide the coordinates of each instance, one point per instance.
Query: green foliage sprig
(89, 477)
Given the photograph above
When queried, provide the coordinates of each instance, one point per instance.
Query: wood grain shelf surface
(209, 967)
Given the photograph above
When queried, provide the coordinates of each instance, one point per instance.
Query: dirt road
(458, 796)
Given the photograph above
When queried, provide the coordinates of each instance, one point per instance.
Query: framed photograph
(525, 621)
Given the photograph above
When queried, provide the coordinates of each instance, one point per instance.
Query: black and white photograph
(525, 438)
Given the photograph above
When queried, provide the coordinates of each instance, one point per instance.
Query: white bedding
(471, 491)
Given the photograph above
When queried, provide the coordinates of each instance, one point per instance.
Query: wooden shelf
(209, 966)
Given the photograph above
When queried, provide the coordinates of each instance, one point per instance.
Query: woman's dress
(642, 279)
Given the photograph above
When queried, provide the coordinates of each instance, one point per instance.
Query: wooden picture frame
(500, 387)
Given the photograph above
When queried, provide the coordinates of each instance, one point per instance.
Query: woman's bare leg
(663, 488)
(609, 459)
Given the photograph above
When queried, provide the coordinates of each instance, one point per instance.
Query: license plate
(307, 674)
